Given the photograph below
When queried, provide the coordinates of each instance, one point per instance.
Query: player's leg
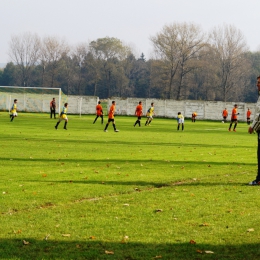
(65, 124)
(95, 120)
(114, 125)
(102, 119)
(229, 129)
(136, 122)
(108, 122)
(56, 126)
(182, 126)
(147, 120)
(234, 129)
(178, 127)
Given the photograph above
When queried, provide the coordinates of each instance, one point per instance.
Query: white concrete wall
(211, 110)
(41, 103)
(126, 106)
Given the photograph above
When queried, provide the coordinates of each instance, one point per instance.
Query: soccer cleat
(116, 130)
(65, 128)
(56, 127)
(234, 130)
(229, 129)
(105, 130)
(253, 183)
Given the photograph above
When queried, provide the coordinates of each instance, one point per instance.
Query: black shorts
(139, 117)
(111, 120)
(233, 120)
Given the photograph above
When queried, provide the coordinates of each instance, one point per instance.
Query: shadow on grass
(138, 143)
(148, 162)
(138, 184)
(95, 250)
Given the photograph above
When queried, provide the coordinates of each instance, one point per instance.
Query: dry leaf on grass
(109, 252)
(157, 257)
(199, 251)
(126, 204)
(192, 242)
(250, 230)
(204, 225)
(124, 240)
(66, 235)
(158, 210)
(92, 237)
(209, 252)
(26, 242)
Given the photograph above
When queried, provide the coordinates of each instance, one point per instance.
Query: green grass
(141, 193)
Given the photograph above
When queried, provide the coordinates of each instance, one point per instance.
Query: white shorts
(14, 114)
(180, 120)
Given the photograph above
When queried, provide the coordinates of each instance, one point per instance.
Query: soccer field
(142, 193)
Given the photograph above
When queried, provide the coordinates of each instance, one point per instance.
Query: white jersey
(257, 113)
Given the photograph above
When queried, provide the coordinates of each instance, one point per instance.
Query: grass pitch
(143, 193)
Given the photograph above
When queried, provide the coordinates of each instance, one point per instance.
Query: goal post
(31, 99)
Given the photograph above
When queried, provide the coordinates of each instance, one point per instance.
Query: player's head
(140, 102)
(66, 104)
(113, 102)
(99, 102)
(179, 113)
(152, 104)
(15, 101)
(53, 98)
(235, 105)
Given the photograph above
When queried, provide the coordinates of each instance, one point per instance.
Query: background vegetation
(186, 63)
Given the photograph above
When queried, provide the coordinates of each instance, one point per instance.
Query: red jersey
(112, 112)
(225, 113)
(248, 113)
(234, 113)
(99, 110)
(139, 110)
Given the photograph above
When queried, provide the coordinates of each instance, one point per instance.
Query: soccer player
(149, 115)
(111, 117)
(63, 116)
(14, 110)
(225, 115)
(233, 118)
(99, 112)
(53, 108)
(193, 117)
(139, 113)
(251, 130)
(248, 114)
(180, 119)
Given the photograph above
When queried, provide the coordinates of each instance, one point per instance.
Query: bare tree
(177, 45)
(52, 52)
(230, 46)
(24, 52)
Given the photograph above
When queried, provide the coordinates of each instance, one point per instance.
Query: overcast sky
(131, 21)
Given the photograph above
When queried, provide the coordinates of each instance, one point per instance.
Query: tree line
(186, 63)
